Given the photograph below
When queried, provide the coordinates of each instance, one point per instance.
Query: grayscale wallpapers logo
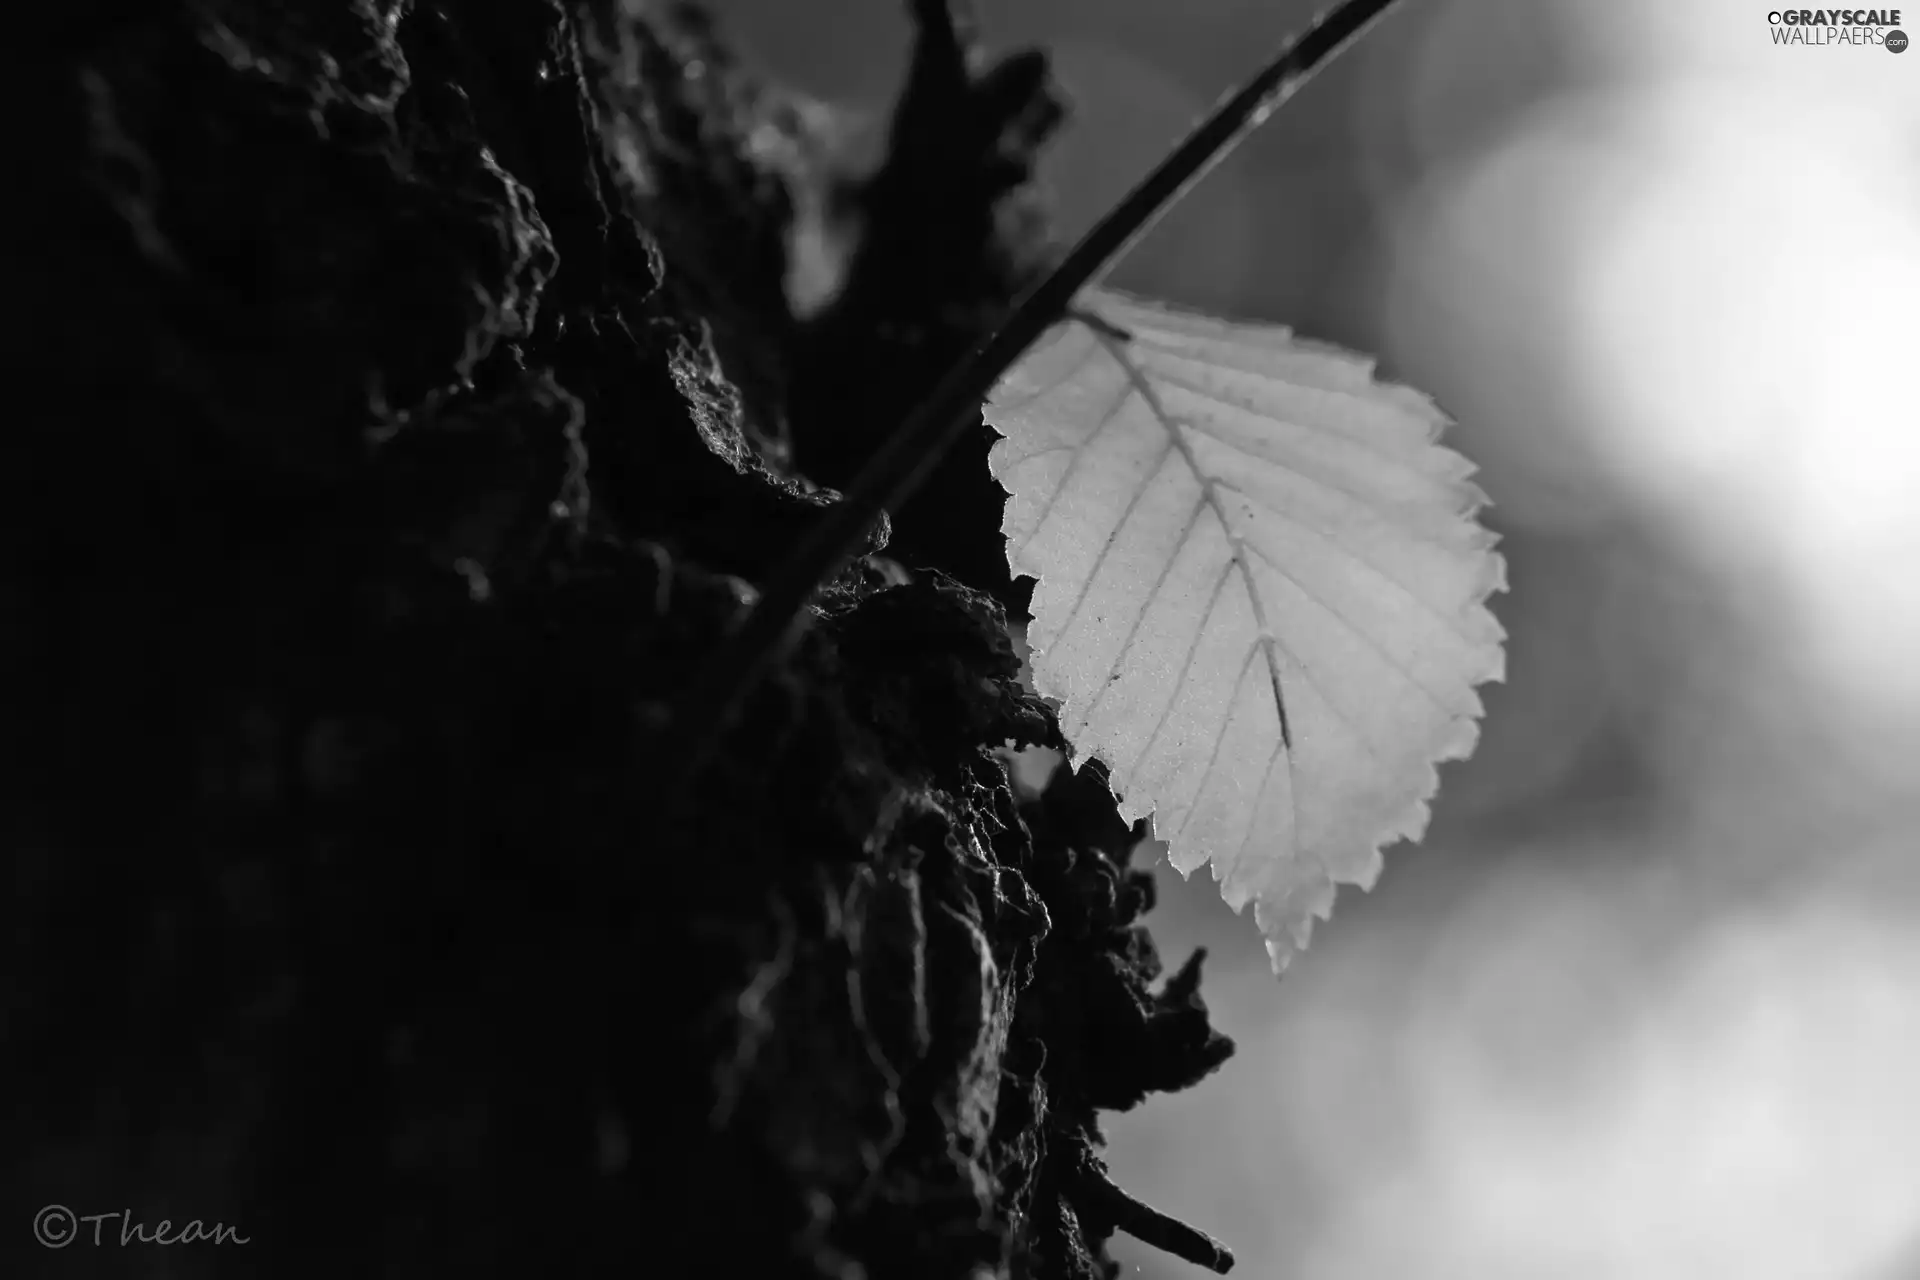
(1838, 26)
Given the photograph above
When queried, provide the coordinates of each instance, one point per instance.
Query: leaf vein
(1210, 491)
(1133, 505)
(1310, 476)
(1133, 632)
(1219, 740)
(1187, 382)
(1351, 554)
(1353, 629)
(1186, 668)
(1079, 451)
(1260, 798)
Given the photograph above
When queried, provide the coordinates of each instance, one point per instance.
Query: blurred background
(1646, 1002)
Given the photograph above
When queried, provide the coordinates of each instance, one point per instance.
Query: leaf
(1261, 591)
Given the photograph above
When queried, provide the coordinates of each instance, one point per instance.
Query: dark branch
(1098, 1195)
(705, 711)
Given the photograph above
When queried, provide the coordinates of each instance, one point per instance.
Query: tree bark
(411, 394)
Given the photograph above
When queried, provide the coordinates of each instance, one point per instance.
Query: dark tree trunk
(409, 390)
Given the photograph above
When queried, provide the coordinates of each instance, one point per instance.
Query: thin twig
(1104, 1198)
(709, 704)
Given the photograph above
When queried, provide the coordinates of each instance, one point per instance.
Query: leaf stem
(710, 702)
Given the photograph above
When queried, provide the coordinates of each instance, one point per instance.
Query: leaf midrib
(1210, 494)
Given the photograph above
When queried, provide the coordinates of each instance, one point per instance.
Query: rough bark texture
(411, 390)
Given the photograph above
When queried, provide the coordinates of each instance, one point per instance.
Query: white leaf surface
(1261, 591)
